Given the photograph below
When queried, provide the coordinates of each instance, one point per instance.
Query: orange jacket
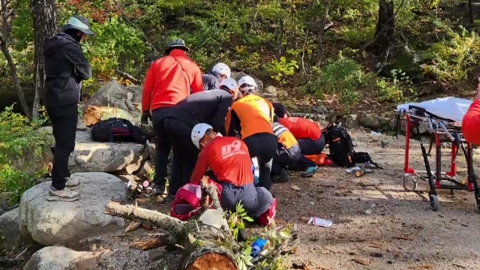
(471, 123)
(169, 80)
(249, 115)
(302, 128)
(229, 160)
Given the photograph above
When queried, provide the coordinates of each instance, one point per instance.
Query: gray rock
(351, 121)
(81, 126)
(137, 91)
(238, 75)
(212, 217)
(61, 258)
(270, 92)
(369, 120)
(112, 94)
(10, 237)
(320, 109)
(66, 223)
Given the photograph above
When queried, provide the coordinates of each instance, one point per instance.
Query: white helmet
(198, 132)
(230, 83)
(222, 69)
(247, 84)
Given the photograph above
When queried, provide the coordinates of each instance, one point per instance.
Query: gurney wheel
(434, 203)
(405, 183)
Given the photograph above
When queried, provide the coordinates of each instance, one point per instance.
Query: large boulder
(10, 237)
(113, 94)
(61, 258)
(66, 223)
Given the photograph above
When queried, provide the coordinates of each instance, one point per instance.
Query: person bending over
(310, 140)
(213, 79)
(229, 161)
(288, 153)
(65, 69)
(251, 118)
(209, 107)
(471, 121)
(169, 80)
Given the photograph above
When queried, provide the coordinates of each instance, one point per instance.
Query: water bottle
(255, 171)
(258, 246)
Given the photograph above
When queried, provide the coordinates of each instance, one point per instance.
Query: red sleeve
(197, 83)
(201, 167)
(148, 86)
(471, 123)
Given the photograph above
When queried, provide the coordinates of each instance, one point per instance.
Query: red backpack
(187, 201)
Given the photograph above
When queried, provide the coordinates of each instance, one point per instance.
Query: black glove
(145, 117)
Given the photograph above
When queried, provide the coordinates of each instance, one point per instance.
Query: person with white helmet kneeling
(229, 161)
(219, 73)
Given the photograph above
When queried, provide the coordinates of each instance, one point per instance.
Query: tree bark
(45, 25)
(385, 28)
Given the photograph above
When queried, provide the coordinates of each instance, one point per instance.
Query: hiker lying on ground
(213, 79)
(230, 163)
(250, 118)
(288, 153)
(209, 107)
(471, 121)
(310, 140)
(168, 81)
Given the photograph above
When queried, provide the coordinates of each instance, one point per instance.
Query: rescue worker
(168, 81)
(288, 153)
(310, 140)
(280, 110)
(65, 69)
(250, 118)
(213, 79)
(229, 160)
(209, 107)
(471, 121)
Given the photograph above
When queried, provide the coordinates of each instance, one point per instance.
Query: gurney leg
(472, 178)
(438, 161)
(432, 194)
(432, 140)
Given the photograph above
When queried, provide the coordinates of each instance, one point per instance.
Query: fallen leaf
(361, 261)
(295, 187)
(133, 226)
(425, 266)
(375, 245)
(147, 226)
(403, 238)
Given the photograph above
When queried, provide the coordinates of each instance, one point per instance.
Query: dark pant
(285, 158)
(185, 153)
(263, 146)
(309, 147)
(255, 200)
(64, 125)
(163, 146)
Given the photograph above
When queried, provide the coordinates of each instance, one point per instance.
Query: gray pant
(255, 200)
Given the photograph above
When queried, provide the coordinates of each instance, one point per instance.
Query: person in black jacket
(65, 67)
(214, 78)
(209, 107)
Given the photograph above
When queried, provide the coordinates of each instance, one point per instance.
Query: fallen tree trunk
(205, 245)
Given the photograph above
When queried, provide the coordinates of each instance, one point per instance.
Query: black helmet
(79, 23)
(176, 44)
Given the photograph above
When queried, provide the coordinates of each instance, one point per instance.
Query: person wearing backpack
(169, 80)
(65, 68)
(213, 79)
(310, 140)
(209, 107)
(288, 153)
(250, 118)
(229, 161)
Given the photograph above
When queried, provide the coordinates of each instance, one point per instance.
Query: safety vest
(278, 129)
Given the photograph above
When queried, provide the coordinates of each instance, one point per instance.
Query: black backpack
(340, 145)
(118, 130)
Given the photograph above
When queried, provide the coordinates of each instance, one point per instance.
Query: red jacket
(229, 160)
(471, 123)
(169, 80)
(302, 128)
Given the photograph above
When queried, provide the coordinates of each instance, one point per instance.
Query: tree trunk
(385, 28)
(45, 25)
(204, 246)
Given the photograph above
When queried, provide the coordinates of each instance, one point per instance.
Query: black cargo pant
(309, 147)
(185, 153)
(64, 127)
(285, 157)
(163, 146)
(263, 146)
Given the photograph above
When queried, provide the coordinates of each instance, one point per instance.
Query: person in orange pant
(471, 121)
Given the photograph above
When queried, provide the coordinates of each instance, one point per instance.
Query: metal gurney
(443, 118)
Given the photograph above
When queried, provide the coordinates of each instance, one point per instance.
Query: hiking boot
(65, 195)
(280, 178)
(310, 171)
(72, 183)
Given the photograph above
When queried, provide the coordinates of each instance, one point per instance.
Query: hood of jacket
(53, 44)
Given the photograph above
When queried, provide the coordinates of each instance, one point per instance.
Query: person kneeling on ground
(251, 119)
(471, 121)
(229, 161)
(219, 73)
(310, 140)
(209, 107)
(288, 153)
